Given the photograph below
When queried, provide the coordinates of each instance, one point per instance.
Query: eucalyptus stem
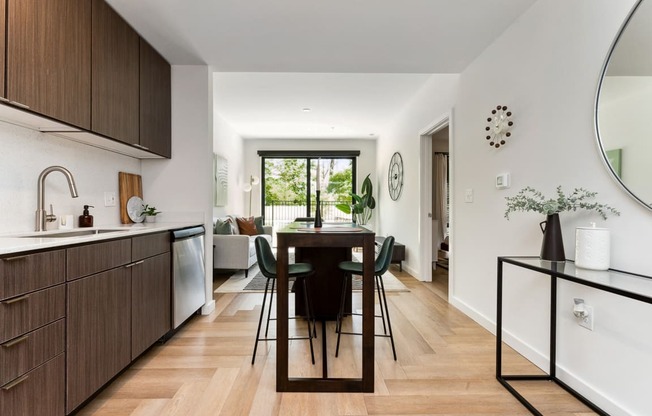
(529, 199)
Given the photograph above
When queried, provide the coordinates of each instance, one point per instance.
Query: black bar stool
(299, 272)
(381, 265)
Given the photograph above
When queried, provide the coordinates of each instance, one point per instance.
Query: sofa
(233, 249)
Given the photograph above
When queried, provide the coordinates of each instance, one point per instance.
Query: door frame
(425, 201)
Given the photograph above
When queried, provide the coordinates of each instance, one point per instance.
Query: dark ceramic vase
(552, 247)
(318, 222)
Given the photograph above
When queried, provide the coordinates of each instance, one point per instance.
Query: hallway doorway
(436, 225)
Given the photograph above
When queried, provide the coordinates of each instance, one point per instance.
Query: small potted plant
(150, 213)
(529, 199)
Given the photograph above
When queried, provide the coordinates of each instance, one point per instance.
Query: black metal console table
(612, 281)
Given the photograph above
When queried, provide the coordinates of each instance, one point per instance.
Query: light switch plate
(503, 181)
(109, 199)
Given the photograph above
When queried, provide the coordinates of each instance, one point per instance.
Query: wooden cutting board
(129, 185)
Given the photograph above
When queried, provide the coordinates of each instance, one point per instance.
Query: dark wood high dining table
(329, 236)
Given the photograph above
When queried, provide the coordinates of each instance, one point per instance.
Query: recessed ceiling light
(307, 110)
(372, 134)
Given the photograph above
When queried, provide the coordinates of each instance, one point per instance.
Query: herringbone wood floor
(445, 367)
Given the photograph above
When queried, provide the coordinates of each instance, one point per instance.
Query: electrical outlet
(109, 199)
(587, 321)
(468, 195)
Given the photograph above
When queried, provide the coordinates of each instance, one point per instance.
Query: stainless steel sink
(78, 233)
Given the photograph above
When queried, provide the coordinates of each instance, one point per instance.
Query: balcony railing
(281, 213)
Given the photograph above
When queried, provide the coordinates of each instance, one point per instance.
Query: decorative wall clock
(395, 176)
(499, 126)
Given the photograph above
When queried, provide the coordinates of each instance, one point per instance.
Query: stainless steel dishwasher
(188, 273)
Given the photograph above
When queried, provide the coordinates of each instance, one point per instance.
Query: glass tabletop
(630, 284)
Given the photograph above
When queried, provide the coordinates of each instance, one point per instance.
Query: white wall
(181, 187)
(401, 218)
(366, 161)
(545, 67)
(229, 145)
(25, 153)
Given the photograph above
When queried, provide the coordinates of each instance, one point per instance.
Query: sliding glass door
(290, 182)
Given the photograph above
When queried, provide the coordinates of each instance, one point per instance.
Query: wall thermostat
(502, 181)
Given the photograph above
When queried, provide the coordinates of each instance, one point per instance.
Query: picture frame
(221, 178)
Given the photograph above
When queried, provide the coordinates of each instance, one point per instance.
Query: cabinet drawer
(22, 274)
(39, 392)
(150, 245)
(94, 258)
(22, 314)
(22, 354)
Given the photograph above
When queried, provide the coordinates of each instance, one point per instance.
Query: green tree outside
(285, 180)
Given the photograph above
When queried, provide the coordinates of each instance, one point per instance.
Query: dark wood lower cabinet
(99, 332)
(39, 392)
(27, 312)
(62, 342)
(23, 354)
(150, 302)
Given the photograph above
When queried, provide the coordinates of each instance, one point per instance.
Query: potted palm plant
(362, 205)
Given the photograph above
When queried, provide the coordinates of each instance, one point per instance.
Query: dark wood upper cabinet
(3, 46)
(155, 101)
(115, 75)
(49, 58)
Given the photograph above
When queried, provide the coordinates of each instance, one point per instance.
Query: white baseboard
(598, 397)
(412, 272)
(542, 361)
(473, 314)
(208, 308)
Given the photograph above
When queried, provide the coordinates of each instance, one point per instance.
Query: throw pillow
(246, 226)
(259, 225)
(234, 224)
(223, 227)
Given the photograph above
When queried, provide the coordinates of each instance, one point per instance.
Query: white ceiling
(319, 50)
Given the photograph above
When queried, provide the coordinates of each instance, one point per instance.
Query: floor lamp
(253, 180)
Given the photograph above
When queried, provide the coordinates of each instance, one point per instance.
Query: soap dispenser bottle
(86, 219)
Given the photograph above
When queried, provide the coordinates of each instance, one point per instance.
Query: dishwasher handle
(186, 233)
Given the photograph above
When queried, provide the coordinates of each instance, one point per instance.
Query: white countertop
(19, 242)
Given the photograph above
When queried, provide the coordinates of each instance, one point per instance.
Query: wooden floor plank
(446, 366)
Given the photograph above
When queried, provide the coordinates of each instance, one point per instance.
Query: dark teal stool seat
(297, 272)
(351, 268)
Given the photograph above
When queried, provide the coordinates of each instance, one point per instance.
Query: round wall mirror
(624, 105)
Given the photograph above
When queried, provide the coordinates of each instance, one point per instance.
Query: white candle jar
(592, 248)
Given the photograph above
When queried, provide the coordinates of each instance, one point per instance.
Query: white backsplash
(25, 153)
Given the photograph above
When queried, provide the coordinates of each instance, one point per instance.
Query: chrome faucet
(42, 217)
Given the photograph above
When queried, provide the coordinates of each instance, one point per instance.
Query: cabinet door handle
(16, 341)
(134, 264)
(141, 146)
(14, 258)
(17, 104)
(15, 383)
(14, 300)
